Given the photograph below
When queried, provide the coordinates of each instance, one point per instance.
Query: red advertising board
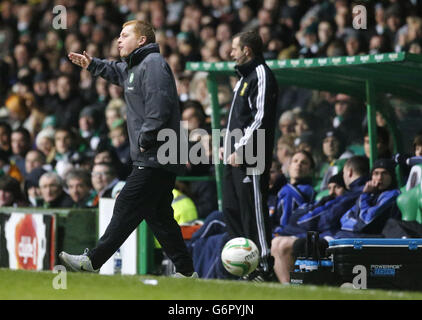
(27, 241)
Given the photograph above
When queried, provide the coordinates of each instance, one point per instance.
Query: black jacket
(253, 107)
(152, 103)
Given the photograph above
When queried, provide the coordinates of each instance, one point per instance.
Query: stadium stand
(70, 116)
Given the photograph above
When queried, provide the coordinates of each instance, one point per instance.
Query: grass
(29, 285)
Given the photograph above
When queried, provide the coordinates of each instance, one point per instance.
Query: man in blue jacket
(375, 206)
(152, 105)
(286, 248)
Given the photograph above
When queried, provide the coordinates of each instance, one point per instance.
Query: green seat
(410, 204)
(410, 200)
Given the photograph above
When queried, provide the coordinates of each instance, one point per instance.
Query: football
(240, 256)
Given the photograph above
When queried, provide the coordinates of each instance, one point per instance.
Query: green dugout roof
(397, 73)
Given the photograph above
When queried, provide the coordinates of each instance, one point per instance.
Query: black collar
(244, 69)
(306, 180)
(140, 53)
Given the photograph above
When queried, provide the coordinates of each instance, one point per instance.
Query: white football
(240, 256)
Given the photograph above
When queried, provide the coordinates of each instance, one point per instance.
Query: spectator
(276, 182)
(52, 191)
(382, 145)
(114, 111)
(89, 127)
(347, 116)
(44, 142)
(286, 248)
(284, 152)
(107, 154)
(10, 193)
(64, 144)
(303, 123)
(21, 144)
(103, 179)
(298, 191)
(310, 43)
(334, 157)
(417, 145)
(120, 141)
(5, 134)
(326, 34)
(68, 103)
(354, 45)
(78, 183)
(286, 123)
(32, 187)
(375, 206)
(18, 111)
(34, 159)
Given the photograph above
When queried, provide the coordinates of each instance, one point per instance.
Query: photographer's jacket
(152, 102)
(253, 107)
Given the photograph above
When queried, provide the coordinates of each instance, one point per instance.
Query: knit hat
(337, 179)
(388, 165)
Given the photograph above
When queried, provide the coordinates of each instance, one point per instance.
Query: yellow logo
(242, 92)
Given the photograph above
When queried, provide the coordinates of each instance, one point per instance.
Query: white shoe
(179, 275)
(78, 263)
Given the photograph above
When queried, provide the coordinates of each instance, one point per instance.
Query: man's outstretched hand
(82, 60)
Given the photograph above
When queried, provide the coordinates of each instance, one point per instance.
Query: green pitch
(39, 285)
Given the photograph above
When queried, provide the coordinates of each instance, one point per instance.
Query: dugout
(372, 78)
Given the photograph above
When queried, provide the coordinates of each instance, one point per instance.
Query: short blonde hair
(142, 28)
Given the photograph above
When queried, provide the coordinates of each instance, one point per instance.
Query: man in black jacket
(152, 105)
(248, 147)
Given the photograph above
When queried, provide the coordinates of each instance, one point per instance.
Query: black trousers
(246, 211)
(147, 195)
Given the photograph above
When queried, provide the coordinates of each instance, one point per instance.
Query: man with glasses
(103, 179)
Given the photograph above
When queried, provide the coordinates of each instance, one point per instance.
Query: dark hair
(109, 165)
(252, 40)
(24, 132)
(359, 164)
(39, 153)
(8, 183)
(382, 134)
(308, 155)
(199, 110)
(120, 168)
(7, 127)
(417, 141)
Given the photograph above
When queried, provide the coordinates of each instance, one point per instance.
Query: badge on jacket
(245, 84)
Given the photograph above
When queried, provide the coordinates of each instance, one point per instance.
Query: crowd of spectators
(63, 139)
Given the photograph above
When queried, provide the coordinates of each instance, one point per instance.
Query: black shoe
(259, 275)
